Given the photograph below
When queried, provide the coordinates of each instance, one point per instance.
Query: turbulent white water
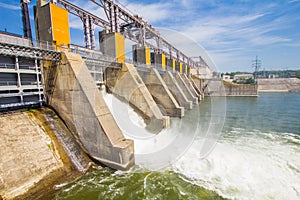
(245, 164)
(152, 151)
(248, 165)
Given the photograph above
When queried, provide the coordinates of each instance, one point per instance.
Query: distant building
(273, 76)
(226, 77)
(292, 74)
(242, 76)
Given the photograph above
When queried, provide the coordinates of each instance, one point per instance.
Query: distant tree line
(244, 81)
(270, 74)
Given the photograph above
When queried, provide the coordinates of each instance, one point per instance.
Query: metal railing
(8, 83)
(91, 54)
(7, 66)
(9, 39)
(24, 83)
(13, 66)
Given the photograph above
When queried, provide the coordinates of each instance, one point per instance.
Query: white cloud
(267, 40)
(75, 22)
(293, 1)
(151, 12)
(9, 6)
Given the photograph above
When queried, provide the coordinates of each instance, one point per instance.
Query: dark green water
(136, 184)
(257, 156)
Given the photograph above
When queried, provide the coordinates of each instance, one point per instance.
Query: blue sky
(233, 32)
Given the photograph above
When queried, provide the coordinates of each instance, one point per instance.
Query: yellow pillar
(163, 61)
(120, 47)
(148, 56)
(180, 67)
(173, 64)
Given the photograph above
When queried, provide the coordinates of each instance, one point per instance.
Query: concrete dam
(50, 71)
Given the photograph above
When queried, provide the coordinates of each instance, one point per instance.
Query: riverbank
(37, 152)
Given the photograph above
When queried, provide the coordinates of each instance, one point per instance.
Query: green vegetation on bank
(269, 73)
(244, 81)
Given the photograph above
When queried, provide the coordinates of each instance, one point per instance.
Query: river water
(255, 156)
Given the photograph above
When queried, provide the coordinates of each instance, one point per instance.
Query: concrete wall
(279, 85)
(13, 39)
(160, 92)
(77, 100)
(215, 87)
(32, 160)
(129, 86)
(218, 87)
(240, 89)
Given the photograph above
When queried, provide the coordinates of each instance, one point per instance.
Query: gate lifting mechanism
(131, 26)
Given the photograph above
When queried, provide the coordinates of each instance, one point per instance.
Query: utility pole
(256, 64)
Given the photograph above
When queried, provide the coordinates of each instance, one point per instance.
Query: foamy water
(245, 163)
(152, 151)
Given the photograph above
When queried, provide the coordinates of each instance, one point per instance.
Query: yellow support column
(163, 61)
(148, 56)
(174, 65)
(180, 67)
(120, 47)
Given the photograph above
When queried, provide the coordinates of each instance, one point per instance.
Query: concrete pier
(190, 86)
(160, 92)
(129, 86)
(197, 88)
(77, 100)
(187, 92)
(176, 91)
(171, 64)
(141, 55)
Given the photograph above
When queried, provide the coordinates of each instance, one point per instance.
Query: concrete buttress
(160, 92)
(185, 89)
(190, 86)
(196, 87)
(129, 86)
(72, 92)
(176, 90)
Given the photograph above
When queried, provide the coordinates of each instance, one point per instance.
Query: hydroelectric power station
(159, 81)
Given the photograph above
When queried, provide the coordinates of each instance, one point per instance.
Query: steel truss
(29, 52)
(121, 20)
